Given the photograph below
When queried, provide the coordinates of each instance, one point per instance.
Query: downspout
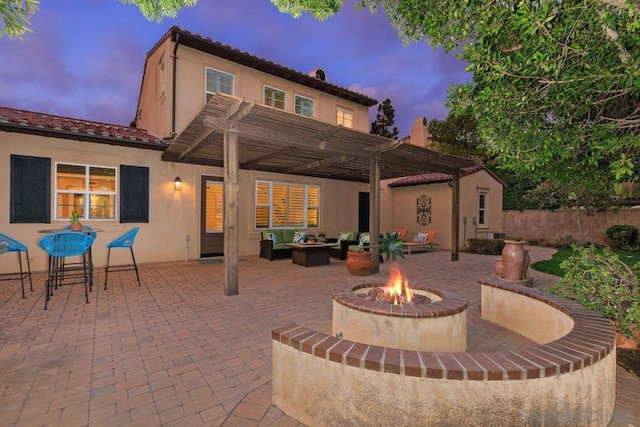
(173, 100)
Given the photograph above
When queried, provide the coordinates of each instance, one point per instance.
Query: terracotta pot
(515, 260)
(75, 226)
(498, 266)
(359, 263)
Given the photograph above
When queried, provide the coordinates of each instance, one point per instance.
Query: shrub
(597, 279)
(486, 246)
(623, 236)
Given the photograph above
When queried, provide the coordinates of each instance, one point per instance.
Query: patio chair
(58, 246)
(124, 241)
(12, 245)
(422, 240)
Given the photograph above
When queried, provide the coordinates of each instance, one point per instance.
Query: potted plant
(75, 221)
(359, 262)
(392, 246)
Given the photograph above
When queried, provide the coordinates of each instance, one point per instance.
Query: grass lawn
(552, 266)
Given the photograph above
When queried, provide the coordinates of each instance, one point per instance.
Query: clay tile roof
(206, 44)
(436, 177)
(12, 116)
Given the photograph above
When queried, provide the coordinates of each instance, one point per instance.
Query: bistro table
(310, 254)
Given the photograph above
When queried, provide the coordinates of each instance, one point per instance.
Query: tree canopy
(384, 120)
(15, 13)
(554, 81)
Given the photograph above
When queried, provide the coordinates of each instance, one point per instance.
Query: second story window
(218, 81)
(303, 105)
(275, 97)
(345, 117)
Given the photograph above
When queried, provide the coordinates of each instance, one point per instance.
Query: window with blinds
(283, 205)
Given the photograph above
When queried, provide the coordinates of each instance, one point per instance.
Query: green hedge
(486, 246)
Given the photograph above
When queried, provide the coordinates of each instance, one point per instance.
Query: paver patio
(176, 351)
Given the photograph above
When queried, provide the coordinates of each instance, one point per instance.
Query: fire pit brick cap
(452, 302)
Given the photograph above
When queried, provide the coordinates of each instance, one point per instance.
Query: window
(345, 117)
(303, 105)
(213, 207)
(282, 205)
(275, 97)
(88, 190)
(218, 81)
(482, 207)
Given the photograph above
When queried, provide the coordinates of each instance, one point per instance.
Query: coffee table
(310, 254)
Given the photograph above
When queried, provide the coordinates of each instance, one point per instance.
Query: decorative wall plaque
(423, 210)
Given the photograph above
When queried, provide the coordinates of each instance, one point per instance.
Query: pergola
(237, 134)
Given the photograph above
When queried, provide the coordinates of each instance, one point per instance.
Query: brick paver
(176, 351)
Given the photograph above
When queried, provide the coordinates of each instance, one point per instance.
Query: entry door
(211, 219)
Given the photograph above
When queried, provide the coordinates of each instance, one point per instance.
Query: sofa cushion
(348, 235)
(287, 236)
(299, 237)
(356, 248)
(275, 235)
(278, 246)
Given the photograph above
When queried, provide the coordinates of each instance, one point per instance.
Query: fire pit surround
(400, 315)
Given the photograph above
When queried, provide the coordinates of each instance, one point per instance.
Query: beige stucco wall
(173, 215)
(154, 111)
(342, 395)
(398, 208)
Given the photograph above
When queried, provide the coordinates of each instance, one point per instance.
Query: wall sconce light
(177, 183)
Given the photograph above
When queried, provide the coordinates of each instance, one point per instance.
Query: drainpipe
(173, 101)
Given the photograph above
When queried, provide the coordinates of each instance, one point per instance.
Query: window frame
(341, 120)
(87, 193)
(483, 208)
(275, 89)
(206, 80)
(295, 105)
(269, 205)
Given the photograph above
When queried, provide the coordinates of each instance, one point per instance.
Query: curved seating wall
(568, 378)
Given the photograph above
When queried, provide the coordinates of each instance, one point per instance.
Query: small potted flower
(75, 222)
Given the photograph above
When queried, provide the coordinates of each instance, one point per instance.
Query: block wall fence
(547, 226)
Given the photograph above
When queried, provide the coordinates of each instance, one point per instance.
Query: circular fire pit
(438, 325)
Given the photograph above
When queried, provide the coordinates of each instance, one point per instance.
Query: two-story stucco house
(284, 149)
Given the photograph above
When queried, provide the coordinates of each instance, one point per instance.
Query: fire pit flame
(396, 291)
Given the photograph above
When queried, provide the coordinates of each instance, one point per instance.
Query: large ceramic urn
(515, 260)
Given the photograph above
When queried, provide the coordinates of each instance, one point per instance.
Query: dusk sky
(84, 59)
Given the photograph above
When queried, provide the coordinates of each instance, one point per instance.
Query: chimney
(420, 133)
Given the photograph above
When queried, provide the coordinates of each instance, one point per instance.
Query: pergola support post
(230, 197)
(374, 212)
(455, 216)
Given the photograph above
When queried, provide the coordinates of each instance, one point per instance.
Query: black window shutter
(30, 193)
(134, 194)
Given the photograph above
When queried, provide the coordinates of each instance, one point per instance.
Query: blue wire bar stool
(124, 241)
(76, 267)
(12, 245)
(59, 246)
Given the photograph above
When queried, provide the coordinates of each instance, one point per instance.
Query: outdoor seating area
(175, 351)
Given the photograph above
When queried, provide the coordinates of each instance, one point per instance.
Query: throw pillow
(364, 239)
(272, 236)
(421, 237)
(344, 236)
(298, 237)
